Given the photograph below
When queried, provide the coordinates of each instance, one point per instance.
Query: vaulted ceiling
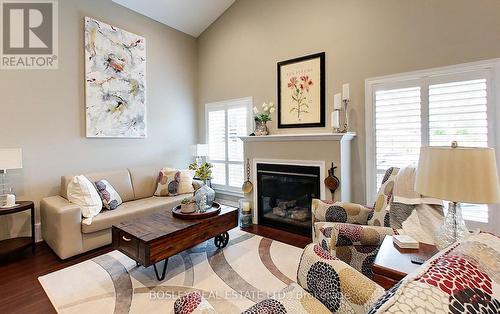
(189, 16)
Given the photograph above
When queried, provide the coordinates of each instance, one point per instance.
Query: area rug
(249, 269)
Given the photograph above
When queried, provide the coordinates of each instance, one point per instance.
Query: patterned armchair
(354, 232)
(464, 278)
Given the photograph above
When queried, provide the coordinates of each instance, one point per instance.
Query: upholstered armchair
(352, 232)
(460, 279)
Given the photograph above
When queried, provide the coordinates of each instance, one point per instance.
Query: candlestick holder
(346, 118)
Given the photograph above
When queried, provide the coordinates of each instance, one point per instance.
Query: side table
(18, 244)
(393, 263)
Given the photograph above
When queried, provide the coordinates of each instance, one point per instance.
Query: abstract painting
(115, 75)
(301, 92)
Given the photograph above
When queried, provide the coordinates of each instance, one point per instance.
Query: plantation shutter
(397, 128)
(458, 112)
(226, 122)
(217, 144)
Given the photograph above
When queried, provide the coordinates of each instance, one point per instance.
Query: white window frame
(226, 105)
(424, 78)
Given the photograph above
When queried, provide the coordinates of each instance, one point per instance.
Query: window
(424, 108)
(225, 122)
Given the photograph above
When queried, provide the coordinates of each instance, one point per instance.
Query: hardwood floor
(20, 291)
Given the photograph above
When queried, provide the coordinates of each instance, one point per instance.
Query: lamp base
(453, 228)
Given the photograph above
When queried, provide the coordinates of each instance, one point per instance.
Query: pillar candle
(335, 119)
(345, 91)
(337, 102)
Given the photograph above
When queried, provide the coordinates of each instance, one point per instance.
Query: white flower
(264, 105)
(255, 110)
(271, 110)
(265, 109)
(271, 104)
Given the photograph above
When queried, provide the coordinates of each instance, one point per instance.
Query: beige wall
(43, 111)
(237, 55)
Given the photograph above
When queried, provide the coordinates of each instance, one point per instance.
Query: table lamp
(199, 151)
(10, 158)
(457, 174)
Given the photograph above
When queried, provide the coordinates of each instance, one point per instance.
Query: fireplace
(284, 196)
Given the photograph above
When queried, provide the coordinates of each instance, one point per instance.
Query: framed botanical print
(301, 92)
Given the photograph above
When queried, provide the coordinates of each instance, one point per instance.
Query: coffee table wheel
(221, 240)
(137, 264)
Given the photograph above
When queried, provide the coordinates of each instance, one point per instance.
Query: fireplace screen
(285, 194)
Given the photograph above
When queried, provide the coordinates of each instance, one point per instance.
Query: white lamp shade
(200, 150)
(11, 158)
(458, 174)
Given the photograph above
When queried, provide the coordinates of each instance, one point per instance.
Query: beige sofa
(61, 220)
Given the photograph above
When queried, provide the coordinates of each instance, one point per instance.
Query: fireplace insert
(284, 196)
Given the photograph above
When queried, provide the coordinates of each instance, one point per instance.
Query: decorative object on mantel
(247, 186)
(346, 99)
(332, 182)
(115, 76)
(301, 92)
(262, 117)
(458, 174)
(245, 212)
(337, 100)
(10, 158)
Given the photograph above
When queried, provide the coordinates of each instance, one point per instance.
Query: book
(405, 242)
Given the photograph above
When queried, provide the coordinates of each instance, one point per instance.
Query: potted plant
(188, 205)
(262, 117)
(204, 196)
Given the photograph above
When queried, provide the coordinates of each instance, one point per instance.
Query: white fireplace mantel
(300, 137)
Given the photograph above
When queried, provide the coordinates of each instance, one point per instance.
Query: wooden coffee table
(393, 264)
(155, 238)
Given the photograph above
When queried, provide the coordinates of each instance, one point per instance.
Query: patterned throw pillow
(110, 198)
(168, 182)
(186, 182)
(380, 214)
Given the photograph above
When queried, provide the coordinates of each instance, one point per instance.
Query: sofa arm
(337, 285)
(344, 234)
(328, 211)
(62, 226)
(193, 303)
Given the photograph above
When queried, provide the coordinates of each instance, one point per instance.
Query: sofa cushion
(464, 278)
(131, 210)
(144, 180)
(119, 179)
(110, 198)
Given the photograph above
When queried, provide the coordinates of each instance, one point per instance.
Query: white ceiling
(189, 16)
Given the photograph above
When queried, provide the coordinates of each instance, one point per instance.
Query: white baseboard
(38, 232)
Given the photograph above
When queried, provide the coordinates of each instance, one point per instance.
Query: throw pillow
(168, 182)
(186, 182)
(110, 198)
(83, 193)
(380, 214)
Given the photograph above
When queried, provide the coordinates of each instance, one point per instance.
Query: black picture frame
(322, 104)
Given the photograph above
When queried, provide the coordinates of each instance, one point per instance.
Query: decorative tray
(214, 211)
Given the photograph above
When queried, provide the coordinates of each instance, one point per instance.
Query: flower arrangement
(265, 114)
(203, 171)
